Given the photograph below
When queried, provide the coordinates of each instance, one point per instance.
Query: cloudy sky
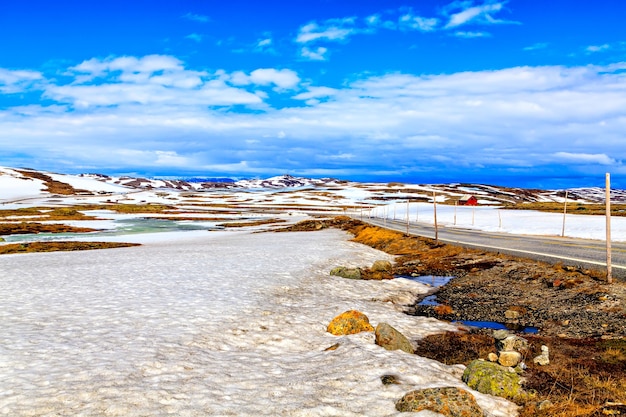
(517, 92)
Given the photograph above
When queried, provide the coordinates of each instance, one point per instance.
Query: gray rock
(512, 342)
(391, 339)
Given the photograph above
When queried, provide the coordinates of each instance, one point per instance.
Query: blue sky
(518, 92)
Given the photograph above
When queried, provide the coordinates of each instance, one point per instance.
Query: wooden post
(455, 204)
(499, 219)
(609, 272)
(473, 213)
(394, 210)
(407, 217)
(564, 215)
(435, 218)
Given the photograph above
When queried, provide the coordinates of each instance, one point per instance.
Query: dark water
(494, 325)
(432, 280)
(431, 300)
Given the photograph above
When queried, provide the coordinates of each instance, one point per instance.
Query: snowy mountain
(23, 183)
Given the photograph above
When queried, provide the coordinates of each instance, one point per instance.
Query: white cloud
(196, 17)
(330, 30)
(474, 14)
(471, 35)
(598, 48)
(318, 54)
(585, 158)
(14, 81)
(410, 22)
(282, 79)
(519, 117)
(194, 37)
(536, 46)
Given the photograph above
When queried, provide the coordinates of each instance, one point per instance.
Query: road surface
(569, 251)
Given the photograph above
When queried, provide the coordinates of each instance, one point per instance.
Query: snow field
(493, 219)
(222, 324)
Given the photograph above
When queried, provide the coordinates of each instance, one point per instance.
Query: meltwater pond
(119, 227)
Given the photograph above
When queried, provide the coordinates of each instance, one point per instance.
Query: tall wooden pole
(609, 272)
(407, 217)
(564, 214)
(435, 215)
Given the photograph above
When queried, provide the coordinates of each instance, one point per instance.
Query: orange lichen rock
(349, 322)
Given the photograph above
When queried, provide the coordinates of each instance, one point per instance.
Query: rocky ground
(580, 317)
(559, 300)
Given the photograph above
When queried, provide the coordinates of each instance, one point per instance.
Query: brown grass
(30, 227)
(14, 248)
(585, 377)
(252, 223)
(53, 186)
(572, 208)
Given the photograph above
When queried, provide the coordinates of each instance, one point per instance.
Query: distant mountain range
(18, 183)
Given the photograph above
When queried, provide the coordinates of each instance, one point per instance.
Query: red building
(468, 200)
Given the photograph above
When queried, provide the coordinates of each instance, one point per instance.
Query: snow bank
(224, 324)
(493, 219)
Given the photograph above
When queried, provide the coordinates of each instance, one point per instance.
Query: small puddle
(494, 325)
(432, 280)
(431, 301)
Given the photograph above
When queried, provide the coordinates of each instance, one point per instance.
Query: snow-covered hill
(22, 183)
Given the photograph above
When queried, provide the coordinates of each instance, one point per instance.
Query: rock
(391, 339)
(544, 358)
(389, 380)
(509, 358)
(511, 314)
(512, 342)
(491, 378)
(500, 334)
(381, 266)
(492, 357)
(350, 273)
(349, 322)
(448, 401)
(544, 405)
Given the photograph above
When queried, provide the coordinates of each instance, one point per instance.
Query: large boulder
(344, 272)
(491, 378)
(391, 339)
(448, 401)
(349, 322)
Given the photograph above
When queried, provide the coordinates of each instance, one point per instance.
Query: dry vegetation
(586, 376)
(53, 186)
(32, 227)
(13, 248)
(572, 208)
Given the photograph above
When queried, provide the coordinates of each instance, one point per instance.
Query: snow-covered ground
(223, 323)
(493, 219)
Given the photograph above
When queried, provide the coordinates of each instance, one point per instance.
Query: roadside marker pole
(564, 214)
(435, 218)
(407, 217)
(609, 274)
(455, 204)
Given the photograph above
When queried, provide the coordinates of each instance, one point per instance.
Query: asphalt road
(569, 251)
